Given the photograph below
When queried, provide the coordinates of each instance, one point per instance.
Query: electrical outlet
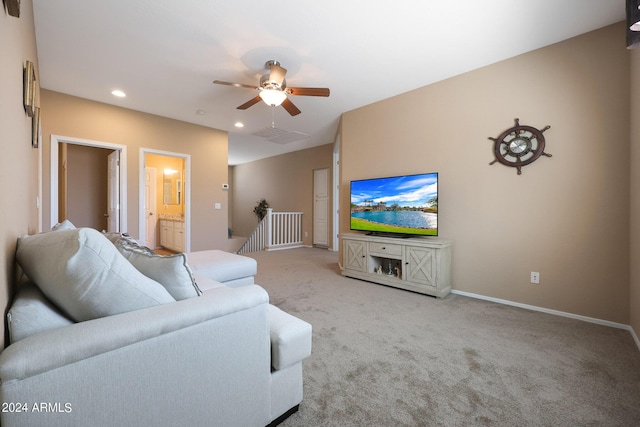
(535, 277)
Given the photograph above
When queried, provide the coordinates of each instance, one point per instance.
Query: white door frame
(56, 140)
(336, 196)
(142, 233)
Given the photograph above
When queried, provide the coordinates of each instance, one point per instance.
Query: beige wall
(285, 181)
(70, 116)
(566, 217)
(635, 192)
(19, 182)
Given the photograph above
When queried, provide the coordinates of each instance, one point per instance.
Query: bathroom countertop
(172, 217)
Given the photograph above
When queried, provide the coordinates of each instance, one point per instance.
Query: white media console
(419, 264)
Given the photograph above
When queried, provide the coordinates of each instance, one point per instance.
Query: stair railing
(277, 230)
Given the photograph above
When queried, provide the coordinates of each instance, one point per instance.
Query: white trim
(142, 232)
(548, 311)
(40, 175)
(336, 196)
(56, 140)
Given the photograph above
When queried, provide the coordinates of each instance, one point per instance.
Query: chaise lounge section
(224, 358)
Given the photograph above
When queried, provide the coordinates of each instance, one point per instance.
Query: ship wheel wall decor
(519, 146)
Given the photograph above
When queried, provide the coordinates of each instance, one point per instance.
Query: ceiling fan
(273, 89)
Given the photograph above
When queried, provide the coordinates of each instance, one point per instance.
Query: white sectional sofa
(94, 341)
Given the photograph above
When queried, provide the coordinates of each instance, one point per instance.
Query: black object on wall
(633, 24)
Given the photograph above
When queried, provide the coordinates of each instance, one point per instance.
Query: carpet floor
(388, 357)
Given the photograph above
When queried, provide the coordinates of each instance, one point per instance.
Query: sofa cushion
(171, 271)
(205, 284)
(221, 266)
(83, 273)
(31, 313)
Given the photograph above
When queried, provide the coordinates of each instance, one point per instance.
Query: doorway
(168, 175)
(114, 200)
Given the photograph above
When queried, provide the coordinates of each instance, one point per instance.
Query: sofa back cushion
(83, 273)
(31, 313)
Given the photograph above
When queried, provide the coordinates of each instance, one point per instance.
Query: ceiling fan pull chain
(273, 117)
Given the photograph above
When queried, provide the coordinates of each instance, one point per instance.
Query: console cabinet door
(354, 255)
(421, 265)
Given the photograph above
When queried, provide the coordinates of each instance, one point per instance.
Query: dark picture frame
(29, 80)
(13, 7)
(35, 128)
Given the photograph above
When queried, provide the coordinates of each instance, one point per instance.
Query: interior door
(321, 207)
(113, 192)
(150, 196)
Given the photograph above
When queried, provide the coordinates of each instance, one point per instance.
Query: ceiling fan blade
(290, 107)
(308, 91)
(277, 74)
(249, 103)
(219, 82)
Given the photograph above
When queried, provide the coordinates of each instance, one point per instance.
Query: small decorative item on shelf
(398, 273)
(379, 269)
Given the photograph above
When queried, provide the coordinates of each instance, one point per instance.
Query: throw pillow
(64, 225)
(31, 313)
(83, 273)
(171, 271)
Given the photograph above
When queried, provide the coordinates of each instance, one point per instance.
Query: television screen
(406, 205)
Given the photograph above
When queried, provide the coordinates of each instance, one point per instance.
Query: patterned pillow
(171, 271)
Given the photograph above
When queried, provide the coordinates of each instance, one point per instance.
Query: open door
(151, 219)
(113, 192)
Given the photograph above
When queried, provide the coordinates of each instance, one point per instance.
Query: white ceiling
(165, 53)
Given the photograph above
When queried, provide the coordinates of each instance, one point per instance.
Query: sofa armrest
(290, 338)
(60, 347)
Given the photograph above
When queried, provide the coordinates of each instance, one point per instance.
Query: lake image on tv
(404, 204)
(409, 219)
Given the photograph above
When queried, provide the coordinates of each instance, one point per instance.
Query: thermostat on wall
(225, 186)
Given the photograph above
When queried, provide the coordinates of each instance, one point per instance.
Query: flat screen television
(400, 206)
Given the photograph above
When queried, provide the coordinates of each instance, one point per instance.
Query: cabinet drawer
(385, 248)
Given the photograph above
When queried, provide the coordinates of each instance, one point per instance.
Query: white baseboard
(554, 312)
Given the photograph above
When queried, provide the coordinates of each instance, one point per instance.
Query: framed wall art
(29, 81)
(35, 128)
(13, 7)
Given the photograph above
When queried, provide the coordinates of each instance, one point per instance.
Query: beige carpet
(388, 357)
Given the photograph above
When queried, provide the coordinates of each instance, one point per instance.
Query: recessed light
(239, 124)
(201, 112)
(118, 93)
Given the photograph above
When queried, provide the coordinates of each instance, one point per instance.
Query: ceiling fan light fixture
(273, 97)
(633, 24)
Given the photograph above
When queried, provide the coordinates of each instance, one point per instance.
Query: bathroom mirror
(172, 187)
